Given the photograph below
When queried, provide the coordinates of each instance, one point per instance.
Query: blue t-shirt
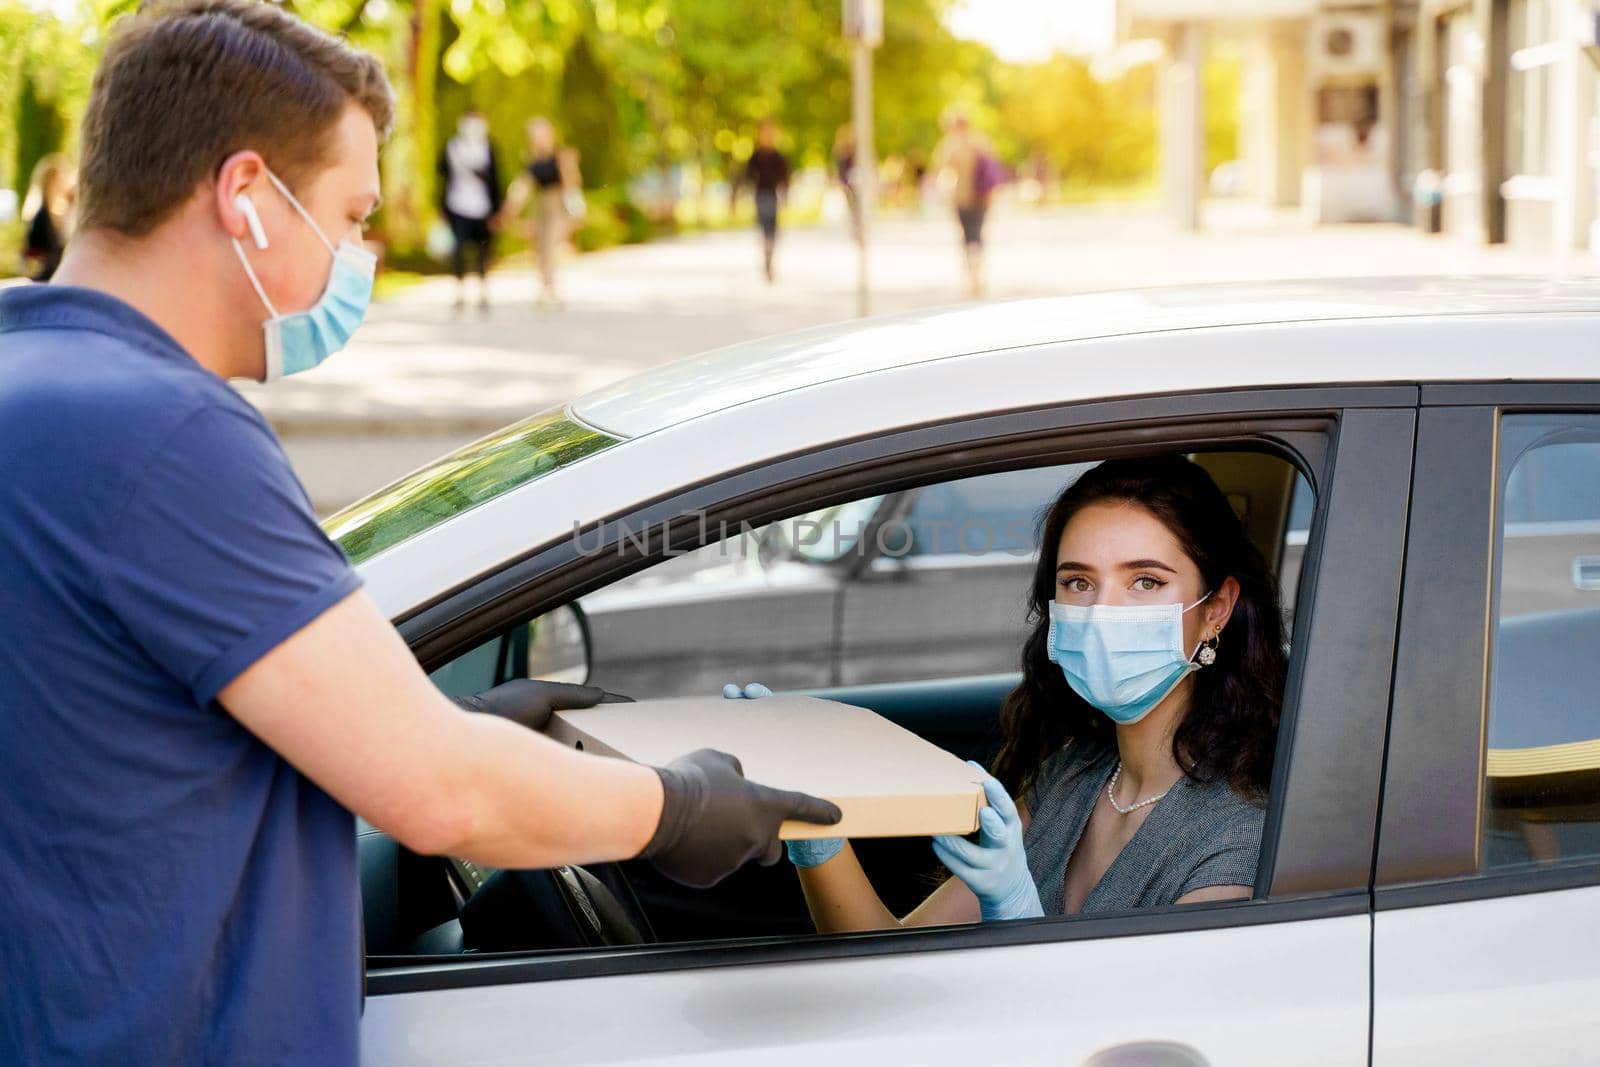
(171, 890)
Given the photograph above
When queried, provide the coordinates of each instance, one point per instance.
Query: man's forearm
(515, 798)
(344, 701)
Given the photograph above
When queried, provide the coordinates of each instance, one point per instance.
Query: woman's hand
(801, 853)
(996, 868)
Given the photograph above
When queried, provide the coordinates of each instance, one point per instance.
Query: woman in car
(1139, 743)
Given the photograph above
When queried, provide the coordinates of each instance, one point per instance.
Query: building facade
(1477, 118)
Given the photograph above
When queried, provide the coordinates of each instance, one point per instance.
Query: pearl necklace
(1131, 808)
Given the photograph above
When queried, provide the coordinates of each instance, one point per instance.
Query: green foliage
(919, 73)
(589, 113)
(646, 87)
(45, 68)
(612, 219)
(41, 130)
(1097, 133)
(1091, 132)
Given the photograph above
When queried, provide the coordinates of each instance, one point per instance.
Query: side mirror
(560, 648)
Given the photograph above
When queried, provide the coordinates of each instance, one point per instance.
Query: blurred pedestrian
(48, 210)
(768, 172)
(552, 181)
(844, 164)
(469, 180)
(916, 177)
(965, 157)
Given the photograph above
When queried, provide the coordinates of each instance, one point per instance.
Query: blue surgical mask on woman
(1124, 660)
(303, 339)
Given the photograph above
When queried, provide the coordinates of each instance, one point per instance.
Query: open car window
(919, 615)
(864, 592)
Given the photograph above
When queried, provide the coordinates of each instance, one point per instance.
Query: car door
(1282, 978)
(1486, 939)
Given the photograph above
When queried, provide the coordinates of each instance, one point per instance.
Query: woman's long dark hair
(1231, 727)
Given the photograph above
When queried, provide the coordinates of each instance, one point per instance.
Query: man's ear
(240, 175)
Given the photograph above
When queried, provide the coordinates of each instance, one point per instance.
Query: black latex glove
(531, 703)
(714, 819)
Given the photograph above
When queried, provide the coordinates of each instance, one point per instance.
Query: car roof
(699, 385)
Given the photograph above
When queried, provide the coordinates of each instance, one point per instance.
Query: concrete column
(1275, 112)
(1491, 18)
(1591, 147)
(1257, 136)
(1292, 101)
(1571, 112)
(1183, 125)
(1429, 45)
(1399, 114)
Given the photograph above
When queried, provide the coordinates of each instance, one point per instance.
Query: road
(420, 379)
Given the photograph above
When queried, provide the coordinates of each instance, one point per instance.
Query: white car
(1429, 887)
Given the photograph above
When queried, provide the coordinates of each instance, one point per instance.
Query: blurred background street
(421, 378)
(611, 161)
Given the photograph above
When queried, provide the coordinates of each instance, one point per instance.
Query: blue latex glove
(801, 853)
(996, 868)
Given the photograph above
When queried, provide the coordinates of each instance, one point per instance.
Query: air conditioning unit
(1347, 44)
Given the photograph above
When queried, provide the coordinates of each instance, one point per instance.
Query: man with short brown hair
(195, 693)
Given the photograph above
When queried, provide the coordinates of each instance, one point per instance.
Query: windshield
(472, 475)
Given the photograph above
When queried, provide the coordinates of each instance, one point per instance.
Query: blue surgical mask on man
(301, 340)
(1123, 660)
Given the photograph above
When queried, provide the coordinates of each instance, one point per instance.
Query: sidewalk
(421, 379)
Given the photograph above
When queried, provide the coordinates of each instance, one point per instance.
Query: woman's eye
(1075, 585)
(1147, 584)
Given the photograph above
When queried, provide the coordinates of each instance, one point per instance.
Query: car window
(919, 585)
(920, 614)
(985, 515)
(1542, 800)
(852, 594)
(1302, 502)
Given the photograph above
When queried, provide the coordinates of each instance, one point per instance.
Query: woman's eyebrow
(1131, 565)
(1147, 564)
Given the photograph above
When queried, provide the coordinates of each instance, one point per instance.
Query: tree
(589, 114)
(1092, 132)
(638, 86)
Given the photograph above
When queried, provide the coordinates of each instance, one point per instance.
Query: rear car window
(1543, 761)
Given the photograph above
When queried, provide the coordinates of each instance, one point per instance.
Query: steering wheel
(563, 907)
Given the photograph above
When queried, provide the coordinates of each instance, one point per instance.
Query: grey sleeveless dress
(1196, 836)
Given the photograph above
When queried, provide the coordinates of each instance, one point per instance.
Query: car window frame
(1341, 438)
(1430, 829)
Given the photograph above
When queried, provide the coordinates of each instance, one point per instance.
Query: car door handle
(1586, 573)
(1148, 1054)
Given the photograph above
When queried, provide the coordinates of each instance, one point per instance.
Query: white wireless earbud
(252, 220)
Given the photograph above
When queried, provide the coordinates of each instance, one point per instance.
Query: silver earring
(1208, 651)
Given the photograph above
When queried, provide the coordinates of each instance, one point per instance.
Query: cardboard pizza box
(888, 781)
